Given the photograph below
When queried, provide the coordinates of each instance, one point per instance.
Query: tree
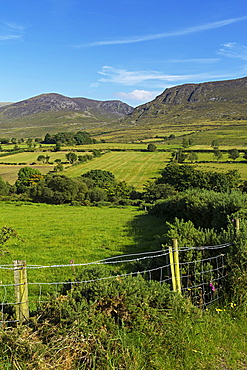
(191, 141)
(27, 176)
(96, 152)
(4, 187)
(171, 137)
(233, 154)
(71, 157)
(58, 168)
(185, 143)
(179, 156)
(41, 158)
(151, 147)
(57, 147)
(153, 191)
(215, 144)
(58, 189)
(184, 177)
(192, 156)
(217, 154)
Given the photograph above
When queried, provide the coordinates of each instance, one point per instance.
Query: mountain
(194, 103)
(57, 103)
(4, 103)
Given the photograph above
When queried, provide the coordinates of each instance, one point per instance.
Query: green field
(53, 234)
(133, 167)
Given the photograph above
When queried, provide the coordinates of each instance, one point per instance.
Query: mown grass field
(133, 167)
(29, 157)
(9, 173)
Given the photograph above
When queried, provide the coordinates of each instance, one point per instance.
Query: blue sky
(130, 50)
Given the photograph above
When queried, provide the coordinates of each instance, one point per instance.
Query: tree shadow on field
(146, 231)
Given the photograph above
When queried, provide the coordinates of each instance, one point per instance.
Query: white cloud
(130, 78)
(234, 50)
(186, 31)
(125, 77)
(140, 95)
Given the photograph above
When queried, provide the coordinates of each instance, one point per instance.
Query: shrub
(204, 208)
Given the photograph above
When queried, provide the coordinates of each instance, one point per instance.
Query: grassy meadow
(51, 235)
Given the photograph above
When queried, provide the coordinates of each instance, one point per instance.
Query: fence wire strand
(202, 280)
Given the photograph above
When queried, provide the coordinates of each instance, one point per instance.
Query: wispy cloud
(11, 31)
(185, 31)
(138, 95)
(130, 78)
(234, 50)
(194, 60)
(125, 77)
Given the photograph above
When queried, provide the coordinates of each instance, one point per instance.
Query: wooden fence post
(176, 264)
(174, 287)
(237, 227)
(21, 290)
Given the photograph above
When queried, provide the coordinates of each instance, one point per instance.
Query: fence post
(237, 227)
(176, 263)
(172, 269)
(21, 290)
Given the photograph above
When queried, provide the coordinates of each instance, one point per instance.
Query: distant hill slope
(2, 104)
(190, 103)
(55, 103)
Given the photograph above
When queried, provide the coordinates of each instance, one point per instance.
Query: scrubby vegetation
(127, 324)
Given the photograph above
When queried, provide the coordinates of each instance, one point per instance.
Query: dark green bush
(207, 209)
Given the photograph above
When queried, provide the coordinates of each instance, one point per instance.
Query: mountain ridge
(214, 100)
(53, 102)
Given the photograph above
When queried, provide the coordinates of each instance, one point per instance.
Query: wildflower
(212, 286)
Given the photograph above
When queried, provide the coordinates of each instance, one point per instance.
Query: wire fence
(202, 277)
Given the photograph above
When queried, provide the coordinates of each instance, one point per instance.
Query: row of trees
(180, 156)
(69, 138)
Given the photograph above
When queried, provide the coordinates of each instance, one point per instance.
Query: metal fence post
(21, 290)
